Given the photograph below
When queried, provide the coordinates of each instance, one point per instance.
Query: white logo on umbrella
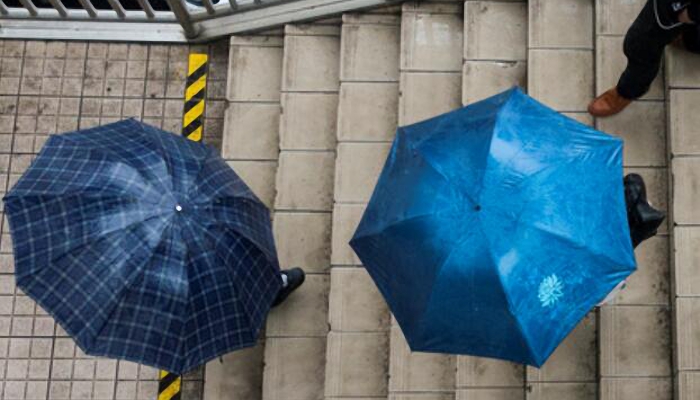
(550, 291)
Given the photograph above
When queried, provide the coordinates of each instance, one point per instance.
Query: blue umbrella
(495, 228)
(143, 245)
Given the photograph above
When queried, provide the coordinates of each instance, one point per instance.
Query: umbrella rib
(80, 245)
(136, 279)
(213, 240)
(114, 156)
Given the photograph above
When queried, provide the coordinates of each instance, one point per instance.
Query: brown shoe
(608, 103)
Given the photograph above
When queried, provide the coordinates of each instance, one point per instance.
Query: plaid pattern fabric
(99, 244)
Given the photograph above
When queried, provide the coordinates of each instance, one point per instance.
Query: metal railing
(159, 20)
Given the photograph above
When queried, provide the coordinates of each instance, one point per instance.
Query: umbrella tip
(178, 208)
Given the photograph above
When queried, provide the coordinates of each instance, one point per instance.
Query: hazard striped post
(170, 385)
(195, 96)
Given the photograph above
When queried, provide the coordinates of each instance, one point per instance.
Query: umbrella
(143, 245)
(495, 228)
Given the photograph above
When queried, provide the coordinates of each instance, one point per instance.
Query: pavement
(306, 115)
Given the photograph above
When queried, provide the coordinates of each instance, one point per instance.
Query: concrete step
(561, 75)
(634, 331)
(295, 347)
(358, 341)
(430, 84)
(311, 130)
(683, 84)
(250, 144)
(495, 58)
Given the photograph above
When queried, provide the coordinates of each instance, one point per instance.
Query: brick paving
(50, 87)
(306, 115)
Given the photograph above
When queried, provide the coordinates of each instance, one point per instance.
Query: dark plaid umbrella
(143, 245)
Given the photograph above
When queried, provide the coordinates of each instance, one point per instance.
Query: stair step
(295, 347)
(635, 329)
(250, 146)
(312, 134)
(561, 74)
(495, 58)
(683, 83)
(358, 342)
(430, 84)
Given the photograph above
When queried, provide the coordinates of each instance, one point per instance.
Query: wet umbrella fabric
(495, 228)
(143, 245)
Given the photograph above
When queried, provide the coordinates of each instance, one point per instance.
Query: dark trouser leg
(691, 38)
(644, 47)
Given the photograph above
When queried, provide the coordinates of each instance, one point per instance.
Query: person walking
(660, 23)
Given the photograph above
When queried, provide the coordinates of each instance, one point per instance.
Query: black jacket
(667, 11)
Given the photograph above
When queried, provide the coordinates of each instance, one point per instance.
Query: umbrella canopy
(495, 228)
(143, 245)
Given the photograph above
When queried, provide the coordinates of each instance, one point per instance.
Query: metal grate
(159, 20)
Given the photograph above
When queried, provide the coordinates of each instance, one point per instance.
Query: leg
(644, 47)
(691, 38)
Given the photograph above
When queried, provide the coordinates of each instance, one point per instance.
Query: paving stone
(417, 372)
(687, 333)
(643, 128)
(490, 394)
(547, 67)
(370, 48)
(415, 106)
(251, 131)
(575, 360)
(564, 23)
(305, 181)
(303, 239)
(688, 385)
(259, 176)
(682, 68)
(611, 62)
(431, 42)
(355, 303)
(346, 217)
(356, 364)
(495, 30)
(557, 390)
(308, 121)
(482, 79)
(649, 285)
(294, 368)
(635, 341)
(686, 190)
(357, 169)
(421, 396)
(636, 388)
(311, 63)
(474, 372)
(368, 111)
(304, 313)
(683, 123)
(615, 17)
(687, 260)
(254, 73)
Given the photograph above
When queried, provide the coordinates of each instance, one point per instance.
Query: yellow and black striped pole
(194, 97)
(170, 385)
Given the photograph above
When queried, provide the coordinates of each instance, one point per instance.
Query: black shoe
(295, 277)
(644, 220)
